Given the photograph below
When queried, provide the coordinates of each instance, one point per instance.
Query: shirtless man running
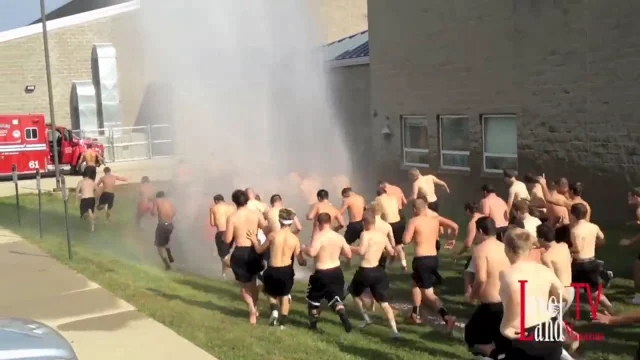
(389, 206)
(473, 211)
(557, 257)
(494, 207)
(146, 201)
(86, 192)
(91, 158)
(273, 216)
(585, 236)
(424, 228)
(557, 215)
(355, 205)
(370, 275)
(490, 261)
(108, 182)
(575, 196)
(246, 263)
(324, 206)
(517, 189)
(396, 192)
(218, 214)
(278, 278)
(166, 213)
(327, 282)
(426, 185)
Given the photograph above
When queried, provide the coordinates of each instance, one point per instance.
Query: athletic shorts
(326, 284)
(246, 264)
(223, 248)
(374, 279)
(434, 206)
(425, 271)
(87, 204)
(516, 349)
(470, 265)
(106, 199)
(483, 327)
(398, 230)
(278, 281)
(500, 232)
(353, 231)
(587, 271)
(163, 234)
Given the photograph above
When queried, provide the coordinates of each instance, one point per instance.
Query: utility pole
(52, 115)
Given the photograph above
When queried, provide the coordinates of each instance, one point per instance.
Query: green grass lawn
(209, 312)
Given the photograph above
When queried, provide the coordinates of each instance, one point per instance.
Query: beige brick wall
(342, 18)
(22, 63)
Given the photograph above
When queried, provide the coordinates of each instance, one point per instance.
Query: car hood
(28, 339)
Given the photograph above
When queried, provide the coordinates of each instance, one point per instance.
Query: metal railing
(132, 143)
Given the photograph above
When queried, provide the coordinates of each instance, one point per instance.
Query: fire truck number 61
(34, 165)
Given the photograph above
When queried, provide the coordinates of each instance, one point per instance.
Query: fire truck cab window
(67, 135)
(31, 133)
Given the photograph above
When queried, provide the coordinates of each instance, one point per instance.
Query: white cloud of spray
(251, 92)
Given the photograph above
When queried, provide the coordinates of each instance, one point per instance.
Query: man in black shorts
(279, 275)
(327, 282)
(86, 190)
(218, 214)
(370, 275)
(166, 213)
(246, 263)
(424, 228)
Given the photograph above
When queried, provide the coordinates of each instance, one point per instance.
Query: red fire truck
(27, 142)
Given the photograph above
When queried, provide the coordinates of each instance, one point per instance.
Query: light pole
(52, 116)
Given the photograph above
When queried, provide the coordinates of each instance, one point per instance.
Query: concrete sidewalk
(99, 325)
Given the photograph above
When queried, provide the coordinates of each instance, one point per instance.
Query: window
(500, 138)
(454, 141)
(31, 133)
(415, 140)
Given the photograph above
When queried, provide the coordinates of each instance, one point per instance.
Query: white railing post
(150, 141)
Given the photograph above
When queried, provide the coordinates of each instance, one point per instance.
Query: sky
(17, 13)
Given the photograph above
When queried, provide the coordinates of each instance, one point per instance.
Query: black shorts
(374, 279)
(246, 264)
(326, 284)
(483, 327)
(163, 234)
(438, 245)
(516, 349)
(278, 281)
(398, 230)
(500, 232)
(353, 231)
(425, 271)
(434, 206)
(586, 272)
(87, 204)
(106, 198)
(223, 248)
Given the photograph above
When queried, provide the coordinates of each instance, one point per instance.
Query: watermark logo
(555, 329)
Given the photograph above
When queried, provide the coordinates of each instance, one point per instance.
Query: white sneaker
(273, 319)
(636, 300)
(395, 335)
(365, 323)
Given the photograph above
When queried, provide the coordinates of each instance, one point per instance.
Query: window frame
(451, 152)
(31, 128)
(483, 118)
(425, 119)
